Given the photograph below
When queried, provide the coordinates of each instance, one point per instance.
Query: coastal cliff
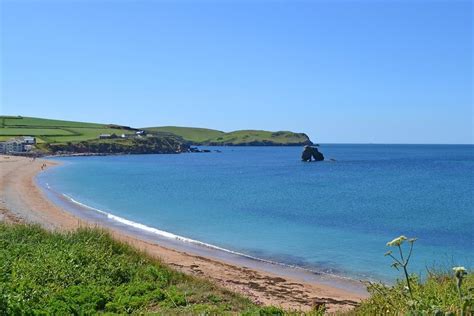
(148, 145)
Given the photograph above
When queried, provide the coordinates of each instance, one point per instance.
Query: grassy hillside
(61, 132)
(56, 136)
(55, 131)
(192, 134)
(201, 136)
(87, 272)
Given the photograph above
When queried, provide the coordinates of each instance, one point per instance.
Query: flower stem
(404, 265)
(408, 280)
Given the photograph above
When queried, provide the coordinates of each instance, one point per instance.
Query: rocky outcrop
(310, 152)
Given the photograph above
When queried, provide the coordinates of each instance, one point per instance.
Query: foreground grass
(437, 295)
(86, 272)
(442, 293)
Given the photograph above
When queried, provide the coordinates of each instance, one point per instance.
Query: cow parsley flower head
(397, 241)
(459, 271)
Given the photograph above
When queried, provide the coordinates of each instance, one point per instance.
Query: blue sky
(341, 71)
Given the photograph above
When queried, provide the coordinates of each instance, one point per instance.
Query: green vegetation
(145, 145)
(201, 136)
(74, 137)
(442, 293)
(23, 121)
(56, 131)
(191, 134)
(437, 295)
(86, 271)
(54, 136)
(17, 131)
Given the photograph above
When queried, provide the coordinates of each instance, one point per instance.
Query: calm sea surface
(263, 201)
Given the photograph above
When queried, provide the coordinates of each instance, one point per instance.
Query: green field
(23, 121)
(202, 136)
(54, 131)
(27, 131)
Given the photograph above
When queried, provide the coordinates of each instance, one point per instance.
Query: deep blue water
(262, 201)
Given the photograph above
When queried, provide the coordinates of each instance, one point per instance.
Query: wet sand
(22, 201)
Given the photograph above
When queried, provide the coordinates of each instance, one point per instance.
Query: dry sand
(21, 200)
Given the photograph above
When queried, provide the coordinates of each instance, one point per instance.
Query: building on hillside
(29, 140)
(104, 136)
(29, 148)
(17, 145)
(12, 146)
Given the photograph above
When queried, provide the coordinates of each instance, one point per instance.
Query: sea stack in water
(310, 151)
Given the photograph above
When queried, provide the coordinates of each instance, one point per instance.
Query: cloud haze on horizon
(340, 71)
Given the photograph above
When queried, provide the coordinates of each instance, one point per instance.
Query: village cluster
(18, 145)
(138, 134)
(25, 144)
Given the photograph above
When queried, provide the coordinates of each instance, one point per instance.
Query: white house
(30, 140)
(17, 145)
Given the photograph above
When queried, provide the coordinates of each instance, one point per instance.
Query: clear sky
(341, 71)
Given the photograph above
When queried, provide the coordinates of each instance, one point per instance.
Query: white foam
(166, 234)
(172, 236)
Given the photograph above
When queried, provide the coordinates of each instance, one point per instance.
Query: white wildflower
(459, 271)
(397, 241)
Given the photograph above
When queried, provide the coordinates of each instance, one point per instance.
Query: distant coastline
(51, 137)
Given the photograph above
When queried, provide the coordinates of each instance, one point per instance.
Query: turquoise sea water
(333, 217)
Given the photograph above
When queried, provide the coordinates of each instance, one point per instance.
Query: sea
(264, 204)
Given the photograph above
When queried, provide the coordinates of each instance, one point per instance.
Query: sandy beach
(22, 201)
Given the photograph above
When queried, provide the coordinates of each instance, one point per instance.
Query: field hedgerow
(86, 271)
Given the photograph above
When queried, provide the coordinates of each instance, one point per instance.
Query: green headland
(211, 137)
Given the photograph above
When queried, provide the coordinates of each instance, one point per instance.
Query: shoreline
(194, 247)
(24, 201)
